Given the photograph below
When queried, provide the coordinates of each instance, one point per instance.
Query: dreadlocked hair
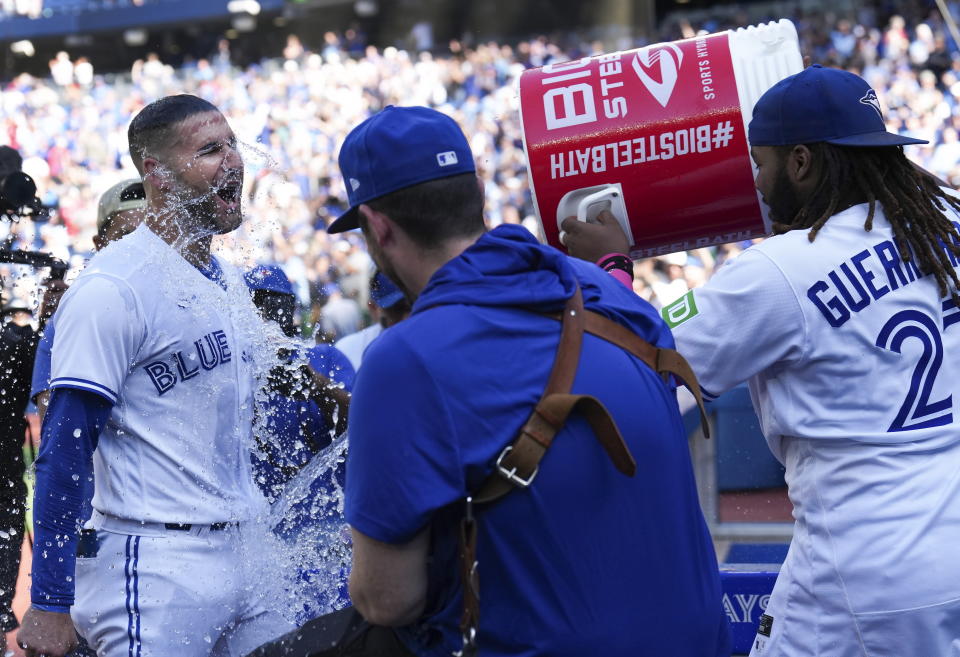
(912, 201)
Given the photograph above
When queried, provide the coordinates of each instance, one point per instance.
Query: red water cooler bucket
(658, 136)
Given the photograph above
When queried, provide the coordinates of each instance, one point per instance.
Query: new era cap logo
(447, 158)
(870, 98)
(668, 57)
(354, 184)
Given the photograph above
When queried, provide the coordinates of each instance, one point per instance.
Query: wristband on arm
(616, 261)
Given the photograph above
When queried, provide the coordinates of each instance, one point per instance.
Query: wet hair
(437, 210)
(149, 131)
(912, 201)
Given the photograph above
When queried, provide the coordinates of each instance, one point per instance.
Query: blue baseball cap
(396, 148)
(821, 105)
(270, 278)
(384, 292)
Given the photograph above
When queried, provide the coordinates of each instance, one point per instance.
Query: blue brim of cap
(349, 220)
(876, 139)
(391, 299)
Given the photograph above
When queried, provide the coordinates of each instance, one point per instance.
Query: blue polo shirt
(587, 561)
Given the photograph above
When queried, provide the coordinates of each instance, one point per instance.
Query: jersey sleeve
(742, 321)
(64, 474)
(404, 462)
(99, 328)
(41, 364)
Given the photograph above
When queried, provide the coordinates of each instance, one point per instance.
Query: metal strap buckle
(511, 474)
(469, 647)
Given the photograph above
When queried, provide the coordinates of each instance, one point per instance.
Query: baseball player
(151, 380)
(845, 326)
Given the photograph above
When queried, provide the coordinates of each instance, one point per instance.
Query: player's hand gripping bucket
(658, 136)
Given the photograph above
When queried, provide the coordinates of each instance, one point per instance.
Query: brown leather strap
(660, 360)
(568, 351)
(518, 463)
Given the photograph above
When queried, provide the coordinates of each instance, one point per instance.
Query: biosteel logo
(669, 57)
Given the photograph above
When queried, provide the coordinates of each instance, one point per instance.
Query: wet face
(207, 174)
(774, 185)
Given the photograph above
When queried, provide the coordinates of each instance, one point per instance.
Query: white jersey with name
(148, 331)
(852, 359)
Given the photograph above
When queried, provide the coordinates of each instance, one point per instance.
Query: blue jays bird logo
(870, 98)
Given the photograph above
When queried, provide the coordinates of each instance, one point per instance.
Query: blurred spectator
(339, 316)
(61, 69)
(387, 306)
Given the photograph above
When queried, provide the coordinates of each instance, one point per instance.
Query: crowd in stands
(293, 111)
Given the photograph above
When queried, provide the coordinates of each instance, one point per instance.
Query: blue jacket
(586, 561)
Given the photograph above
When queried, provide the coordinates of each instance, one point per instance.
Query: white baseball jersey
(852, 359)
(150, 332)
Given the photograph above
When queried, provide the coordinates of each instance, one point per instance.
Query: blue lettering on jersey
(917, 410)
(868, 276)
(183, 369)
(950, 254)
(890, 259)
(221, 339)
(855, 304)
(161, 375)
(213, 360)
(854, 284)
(951, 313)
(840, 313)
(212, 349)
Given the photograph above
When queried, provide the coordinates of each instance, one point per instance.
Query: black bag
(342, 633)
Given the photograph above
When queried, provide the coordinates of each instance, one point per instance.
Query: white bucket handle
(610, 191)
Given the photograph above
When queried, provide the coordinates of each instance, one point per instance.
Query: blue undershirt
(64, 482)
(64, 469)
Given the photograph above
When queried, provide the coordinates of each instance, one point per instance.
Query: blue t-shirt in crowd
(587, 561)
